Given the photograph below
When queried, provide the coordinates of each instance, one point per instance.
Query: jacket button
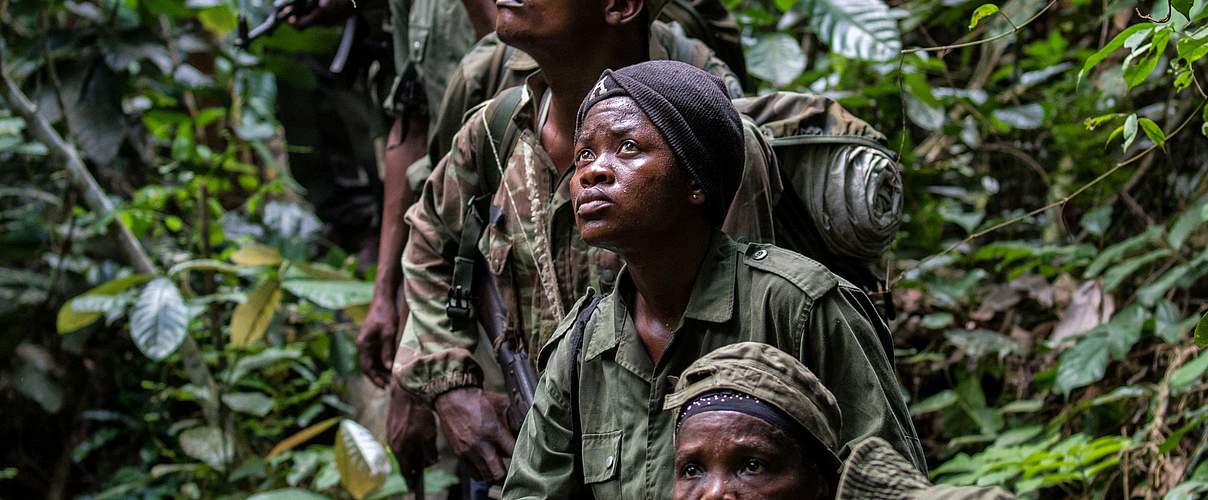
(760, 254)
(609, 461)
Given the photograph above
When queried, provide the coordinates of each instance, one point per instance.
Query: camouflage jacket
(535, 237)
(743, 292)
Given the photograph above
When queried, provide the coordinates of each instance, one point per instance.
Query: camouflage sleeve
(717, 68)
(543, 461)
(846, 343)
(434, 358)
(468, 86)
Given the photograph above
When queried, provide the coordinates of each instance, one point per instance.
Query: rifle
(285, 8)
(519, 378)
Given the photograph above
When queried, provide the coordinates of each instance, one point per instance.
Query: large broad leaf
(332, 294)
(1085, 363)
(72, 318)
(251, 318)
(302, 436)
(361, 459)
(159, 318)
(776, 58)
(859, 29)
(209, 445)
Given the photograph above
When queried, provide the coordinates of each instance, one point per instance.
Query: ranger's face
(727, 454)
(627, 186)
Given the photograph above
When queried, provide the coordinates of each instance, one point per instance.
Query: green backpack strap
(500, 132)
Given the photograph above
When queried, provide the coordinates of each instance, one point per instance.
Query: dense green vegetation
(184, 329)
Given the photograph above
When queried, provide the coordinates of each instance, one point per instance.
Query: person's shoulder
(772, 266)
(558, 344)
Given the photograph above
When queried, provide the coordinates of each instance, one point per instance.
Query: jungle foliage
(1048, 278)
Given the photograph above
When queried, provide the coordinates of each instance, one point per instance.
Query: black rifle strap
(576, 345)
(499, 137)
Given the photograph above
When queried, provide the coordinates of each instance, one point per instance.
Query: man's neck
(568, 78)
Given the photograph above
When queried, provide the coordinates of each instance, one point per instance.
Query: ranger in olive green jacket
(743, 292)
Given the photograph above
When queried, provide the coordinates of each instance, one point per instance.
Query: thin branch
(983, 41)
(1060, 202)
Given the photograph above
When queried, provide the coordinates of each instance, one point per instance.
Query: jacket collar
(712, 298)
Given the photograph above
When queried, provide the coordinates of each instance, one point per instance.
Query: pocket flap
(601, 456)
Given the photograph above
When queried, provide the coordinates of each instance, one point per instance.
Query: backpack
(842, 198)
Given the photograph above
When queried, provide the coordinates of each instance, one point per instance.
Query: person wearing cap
(658, 155)
(752, 422)
(533, 249)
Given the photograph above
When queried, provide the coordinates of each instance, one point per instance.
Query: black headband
(741, 403)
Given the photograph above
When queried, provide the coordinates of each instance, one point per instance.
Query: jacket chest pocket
(602, 463)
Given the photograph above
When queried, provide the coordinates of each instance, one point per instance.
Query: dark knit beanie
(692, 111)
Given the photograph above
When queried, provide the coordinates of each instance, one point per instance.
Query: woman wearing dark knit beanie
(658, 156)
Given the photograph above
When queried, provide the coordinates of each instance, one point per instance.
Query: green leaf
(1023, 406)
(1189, 373)
(1130, 130)
(1114, 253)
(1153, 131)
(256, 255)
(786, 5)
(202, 265)
(1149, 294)
(302, 436)
(988, 9)
(70, 319)
(1085, 363)
(1111, 47)
(1096, 122)
(288, 494)
(361, 459)
(935, 402)
(251, 318)
(776, 58)
(331, 294)
(1186, 223)
(252, 403)
(158, 320)
(858, 29)
(220, 20)
(209, 445)
(1136, 74)
(1201, 332)
(1117, 274)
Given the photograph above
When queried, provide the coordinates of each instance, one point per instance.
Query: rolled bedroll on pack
(837, 169)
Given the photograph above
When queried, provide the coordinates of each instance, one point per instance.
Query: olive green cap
(874, 471)
(771, 375)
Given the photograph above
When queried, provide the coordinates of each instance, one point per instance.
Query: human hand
(411, 433)
(325, 13)
(377, 340)
(476, 430)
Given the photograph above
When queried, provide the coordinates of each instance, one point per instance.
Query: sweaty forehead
(731, 429)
